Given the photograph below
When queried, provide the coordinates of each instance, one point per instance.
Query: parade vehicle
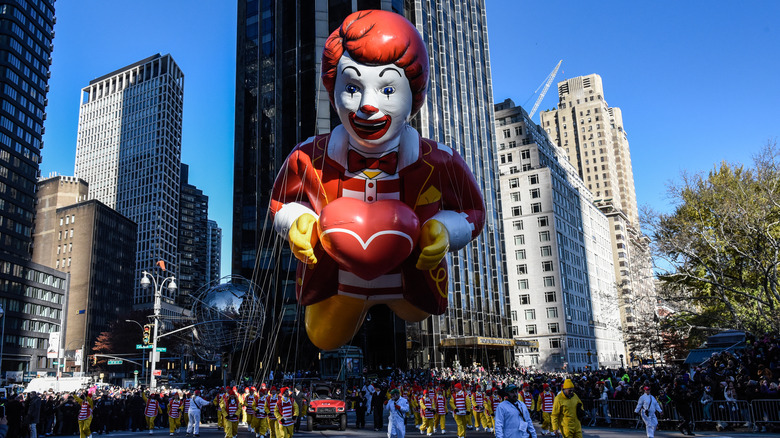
(327, 406)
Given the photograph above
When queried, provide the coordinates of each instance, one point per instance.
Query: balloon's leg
(331, 323)
(406, 311)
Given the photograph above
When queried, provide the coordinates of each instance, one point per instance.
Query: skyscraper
(280, 102)
(213, 252)
(32, 296)
(129, 151)
(596, 143)
(95, 245)
(193, 250)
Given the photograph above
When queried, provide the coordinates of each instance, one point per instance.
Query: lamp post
(145, 283)
(143, 351)
(2, 341)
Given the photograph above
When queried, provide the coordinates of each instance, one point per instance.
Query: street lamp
(145, 283)
(2, 340)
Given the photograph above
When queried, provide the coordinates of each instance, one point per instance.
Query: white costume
(395, 420)
(647, 408)
(196, 404)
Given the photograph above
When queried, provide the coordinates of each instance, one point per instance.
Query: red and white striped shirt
(546, 400)
(85, 411)
(249, 401)
(441, 405)
(151, 408)
(528, 399)
(286, 409)
(187, 402)
(231, 407)
(460, 401)
(427, 406)
(174, 408)
(479, 402)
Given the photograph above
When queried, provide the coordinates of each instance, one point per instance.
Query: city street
(211, 431)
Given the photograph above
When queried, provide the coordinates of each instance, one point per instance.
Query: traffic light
(147, 333)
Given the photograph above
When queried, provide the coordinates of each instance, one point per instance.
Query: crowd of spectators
(727, 380)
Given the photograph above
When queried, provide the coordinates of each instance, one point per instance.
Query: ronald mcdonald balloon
(372, 209)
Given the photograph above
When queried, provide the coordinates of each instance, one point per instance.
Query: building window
(552, 312)
(520, 254)
(522, 269)
(507, 133)
(535, 193)
(520, 239)
(518, 130)
(525, 154)
(530, 329)
(533, 179)
(61, 221)
(517, 211)
(552, 327)
(526, 167)
(549, 297)
(517, 225)
(512, 144)
(514, 183)
(549, 282)
(544, 236)
(555, 343)
(514, 331)
(525, 299)
(522, 284)
(515, 196)
(514, 315)
(536, 207)
(530, 314)
(546, 251)
(547, 266)
(543, 221)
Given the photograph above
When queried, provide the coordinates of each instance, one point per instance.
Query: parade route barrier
(739, 413)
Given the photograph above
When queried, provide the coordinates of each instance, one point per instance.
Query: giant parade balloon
(228, 317)
(372, 209)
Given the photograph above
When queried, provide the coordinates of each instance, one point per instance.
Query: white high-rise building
(129, 151)
(559, 258)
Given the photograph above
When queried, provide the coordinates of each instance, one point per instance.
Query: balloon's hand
(434, 243)
(300, 238)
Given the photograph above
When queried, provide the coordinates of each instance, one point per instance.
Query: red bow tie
(387, 163)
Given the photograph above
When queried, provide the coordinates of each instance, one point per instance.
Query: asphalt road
(211, 431)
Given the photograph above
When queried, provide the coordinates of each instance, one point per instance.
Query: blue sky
(697, 81)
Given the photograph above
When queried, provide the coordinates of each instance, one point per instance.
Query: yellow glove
(302, 238)
(435, 242)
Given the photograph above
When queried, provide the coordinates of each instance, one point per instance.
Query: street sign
(54, 362)
(143, 347)
(135, 372)
(115, 362)
(157, 373)
(162, 349)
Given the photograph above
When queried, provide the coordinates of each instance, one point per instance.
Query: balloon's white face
(373, 102)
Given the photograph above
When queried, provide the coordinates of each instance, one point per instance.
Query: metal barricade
(765, 412)
(735, 413)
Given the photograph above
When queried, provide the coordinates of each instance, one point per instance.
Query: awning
(478, 341)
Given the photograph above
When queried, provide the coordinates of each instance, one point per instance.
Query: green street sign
(162, 349)
(143, 347)
(54, 362)
(115, 362)
(135, 372)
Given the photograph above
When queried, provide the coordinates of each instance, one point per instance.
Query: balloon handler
(372, 209)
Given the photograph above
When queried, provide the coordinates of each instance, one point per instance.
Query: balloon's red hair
(376, 38)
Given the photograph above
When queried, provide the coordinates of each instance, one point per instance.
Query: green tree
(717, 253)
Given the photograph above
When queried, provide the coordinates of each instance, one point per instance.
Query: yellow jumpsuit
(231, 425)
(427, 425)
(150, 420)
(285, 431)
(480, 417)
(462, 419)
(174, 415)
(564, 416)
(85, 423)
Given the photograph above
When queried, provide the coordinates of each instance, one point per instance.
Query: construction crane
(548, 80)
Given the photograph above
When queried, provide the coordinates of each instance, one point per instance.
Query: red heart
(368, 240)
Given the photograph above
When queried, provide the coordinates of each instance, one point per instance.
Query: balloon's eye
(388, 91)
(352, 89)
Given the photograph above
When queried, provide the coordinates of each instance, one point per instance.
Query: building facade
(280, 102)
(95, 246)
(129, 151)
(550, 280)
(26, 33)
(596, 143)
(193, 240)
(213, 252)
